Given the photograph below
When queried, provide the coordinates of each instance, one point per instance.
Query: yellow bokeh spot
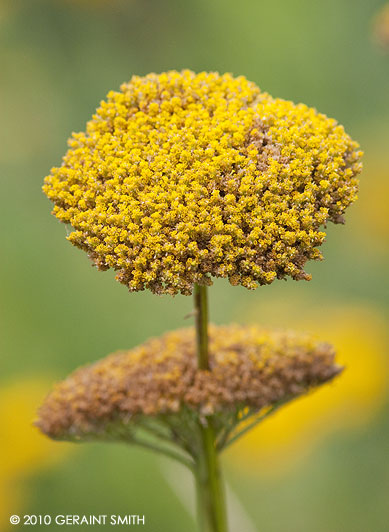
(23, 448)
(380, 27)
(371, 212)
(348, 403)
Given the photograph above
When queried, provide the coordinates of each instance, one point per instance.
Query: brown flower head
(251, 371)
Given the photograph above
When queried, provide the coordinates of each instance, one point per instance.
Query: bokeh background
(322, 464)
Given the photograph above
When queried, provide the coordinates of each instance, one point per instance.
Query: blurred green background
(323, 466)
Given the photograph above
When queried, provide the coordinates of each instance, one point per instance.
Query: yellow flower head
(251, 370)
(181, 177)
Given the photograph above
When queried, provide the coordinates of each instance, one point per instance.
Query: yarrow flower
(181, 177)
(158, 384)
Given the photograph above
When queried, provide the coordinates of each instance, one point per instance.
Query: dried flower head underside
(180, 177)
(250, 370)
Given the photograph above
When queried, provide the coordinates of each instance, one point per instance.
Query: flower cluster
(181, 177)
(250, 369)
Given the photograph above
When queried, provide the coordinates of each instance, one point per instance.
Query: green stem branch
(163, 450)
(252, 424)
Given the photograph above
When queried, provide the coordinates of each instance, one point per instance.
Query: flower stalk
(211, 506)
(201, 314)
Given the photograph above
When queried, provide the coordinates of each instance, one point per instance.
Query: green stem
(210, 491)
(201, 310)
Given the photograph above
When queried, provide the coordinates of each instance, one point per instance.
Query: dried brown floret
(250, 370)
